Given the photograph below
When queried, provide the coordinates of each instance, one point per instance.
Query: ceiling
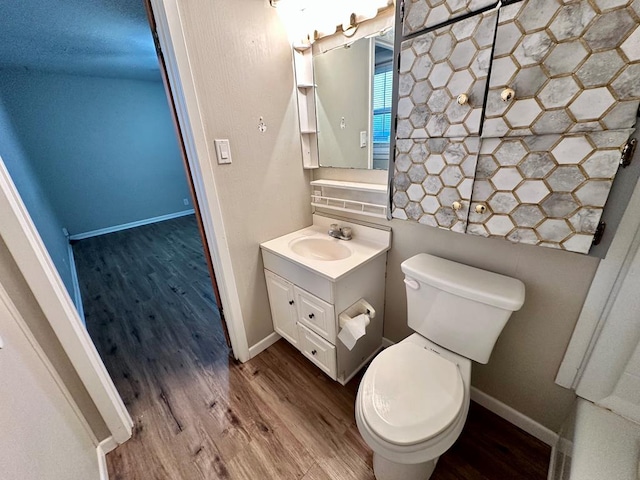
(107, 38)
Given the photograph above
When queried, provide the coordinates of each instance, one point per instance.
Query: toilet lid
(411, 394)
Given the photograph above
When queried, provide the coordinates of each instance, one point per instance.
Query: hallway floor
(200, 415)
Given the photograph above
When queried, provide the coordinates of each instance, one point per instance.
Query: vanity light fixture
(349, 28)
(309, 20)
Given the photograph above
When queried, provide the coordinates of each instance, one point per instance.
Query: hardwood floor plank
(199, 415)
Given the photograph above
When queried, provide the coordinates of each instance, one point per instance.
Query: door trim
(25, 245)
(602, 295)
(174, 48)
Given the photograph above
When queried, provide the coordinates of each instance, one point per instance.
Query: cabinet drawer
(318, 350)
(316, 314)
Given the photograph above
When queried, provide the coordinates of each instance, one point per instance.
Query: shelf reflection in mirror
(353, 103)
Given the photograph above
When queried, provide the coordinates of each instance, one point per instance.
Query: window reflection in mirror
(353, 101)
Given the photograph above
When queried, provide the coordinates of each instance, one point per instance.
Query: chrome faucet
(336, 231)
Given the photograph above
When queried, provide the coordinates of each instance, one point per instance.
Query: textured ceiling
(109, 38)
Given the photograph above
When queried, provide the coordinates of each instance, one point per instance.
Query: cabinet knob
(313, 352)
(463, 98)
(456, 206)
(291, 302)
(507, 94)
(311, 315)
(481, 208)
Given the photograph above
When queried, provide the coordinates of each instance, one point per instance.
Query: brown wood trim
(185, 161)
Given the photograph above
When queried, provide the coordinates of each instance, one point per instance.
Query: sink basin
(320, 249)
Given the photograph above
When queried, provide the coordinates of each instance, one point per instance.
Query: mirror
(353, 103)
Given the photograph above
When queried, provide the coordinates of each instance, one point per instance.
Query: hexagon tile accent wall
(546, 190)
(437, 67)
(431, 175)
(422, 14)
(574, 67)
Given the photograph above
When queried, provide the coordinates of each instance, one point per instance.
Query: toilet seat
(411, 394)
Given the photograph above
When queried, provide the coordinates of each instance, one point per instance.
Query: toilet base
(387, 470)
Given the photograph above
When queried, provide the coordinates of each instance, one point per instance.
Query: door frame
(183, 92)
(30, 254)
(185, 160)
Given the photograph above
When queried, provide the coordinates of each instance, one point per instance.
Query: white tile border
(263, 344)
(125, 226)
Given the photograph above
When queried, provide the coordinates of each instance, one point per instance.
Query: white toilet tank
(461, 308)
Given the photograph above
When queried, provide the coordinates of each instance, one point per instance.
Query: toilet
(413, 399)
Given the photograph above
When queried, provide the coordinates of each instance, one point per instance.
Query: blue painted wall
(104, 149)
(44, 217)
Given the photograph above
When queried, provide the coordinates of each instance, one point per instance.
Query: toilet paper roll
(353, 329)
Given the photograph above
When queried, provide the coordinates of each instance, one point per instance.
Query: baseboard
(104, 447)
(511, 415)
(386, 342)
(125, 226)
(263, 344)
(77, 296)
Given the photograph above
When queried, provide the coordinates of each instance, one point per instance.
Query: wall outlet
(185, 201)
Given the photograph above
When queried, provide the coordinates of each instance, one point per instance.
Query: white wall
(523, 366)
(104, 149)
(42, 436)
(242, 69)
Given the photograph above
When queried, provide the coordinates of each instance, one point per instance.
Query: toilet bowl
(411, 407)
(413, 399)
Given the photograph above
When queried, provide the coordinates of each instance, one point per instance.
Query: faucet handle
(346, 232)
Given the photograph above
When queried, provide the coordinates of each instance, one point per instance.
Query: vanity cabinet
(310, 323)
(535, 161)
(296, 314)
(307, 295)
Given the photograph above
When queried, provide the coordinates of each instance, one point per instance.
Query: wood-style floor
(199, 415)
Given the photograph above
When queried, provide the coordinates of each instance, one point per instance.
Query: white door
(42, 436)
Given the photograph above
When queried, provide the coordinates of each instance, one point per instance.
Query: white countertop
(367, 244)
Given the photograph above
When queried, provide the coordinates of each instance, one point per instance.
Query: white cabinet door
(283, 311)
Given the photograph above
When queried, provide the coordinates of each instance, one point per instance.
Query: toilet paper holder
(358, 308)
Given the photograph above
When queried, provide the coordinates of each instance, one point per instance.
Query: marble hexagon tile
(422, 14)
(546, 190)
(574, 67)
(430, 176)
(435, 68)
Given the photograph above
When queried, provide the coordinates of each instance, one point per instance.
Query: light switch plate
(223, 151)
(363, 139)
